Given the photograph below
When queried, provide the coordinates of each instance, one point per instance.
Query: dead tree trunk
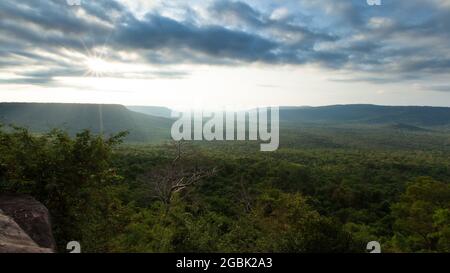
(175, 177)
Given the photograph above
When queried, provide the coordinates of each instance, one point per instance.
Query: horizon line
(227, 106)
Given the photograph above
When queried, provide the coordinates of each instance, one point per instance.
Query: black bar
(229, 262)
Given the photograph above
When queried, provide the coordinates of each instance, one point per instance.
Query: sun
(96, 66)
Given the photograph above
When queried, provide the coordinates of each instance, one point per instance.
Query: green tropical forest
(332, 186)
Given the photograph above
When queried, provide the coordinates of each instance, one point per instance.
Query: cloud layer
(400, 40)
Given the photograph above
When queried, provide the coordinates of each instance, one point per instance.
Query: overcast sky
(208, 53)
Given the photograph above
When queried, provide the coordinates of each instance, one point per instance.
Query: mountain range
(149, 123)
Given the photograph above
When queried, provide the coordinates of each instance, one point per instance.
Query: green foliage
(280, 223)
(71, 176)
(309, 199)
(423, 217)
(284, 222)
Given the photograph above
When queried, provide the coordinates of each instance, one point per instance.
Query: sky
(216, 53)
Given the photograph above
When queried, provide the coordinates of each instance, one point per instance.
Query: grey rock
(25, 225)
(14, 240)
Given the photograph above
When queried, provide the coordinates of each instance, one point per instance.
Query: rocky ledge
(24, 226)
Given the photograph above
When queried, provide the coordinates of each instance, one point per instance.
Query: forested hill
(156, 111)
(109, 118)
(150, 124)
(406, 117)
(368, 114)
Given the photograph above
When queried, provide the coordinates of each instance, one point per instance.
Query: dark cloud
(441, 88)
(156, 32)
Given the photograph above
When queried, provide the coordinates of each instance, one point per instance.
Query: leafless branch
(174, 178)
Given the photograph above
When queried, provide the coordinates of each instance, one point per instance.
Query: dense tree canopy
(102, 193)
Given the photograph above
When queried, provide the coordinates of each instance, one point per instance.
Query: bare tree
(244, 196)
(175, 177)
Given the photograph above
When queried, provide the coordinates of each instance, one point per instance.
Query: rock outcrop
(24, 225)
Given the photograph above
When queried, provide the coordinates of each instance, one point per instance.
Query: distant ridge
(106, 118)
(150, 124)
(156, 111)
(368, 114)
